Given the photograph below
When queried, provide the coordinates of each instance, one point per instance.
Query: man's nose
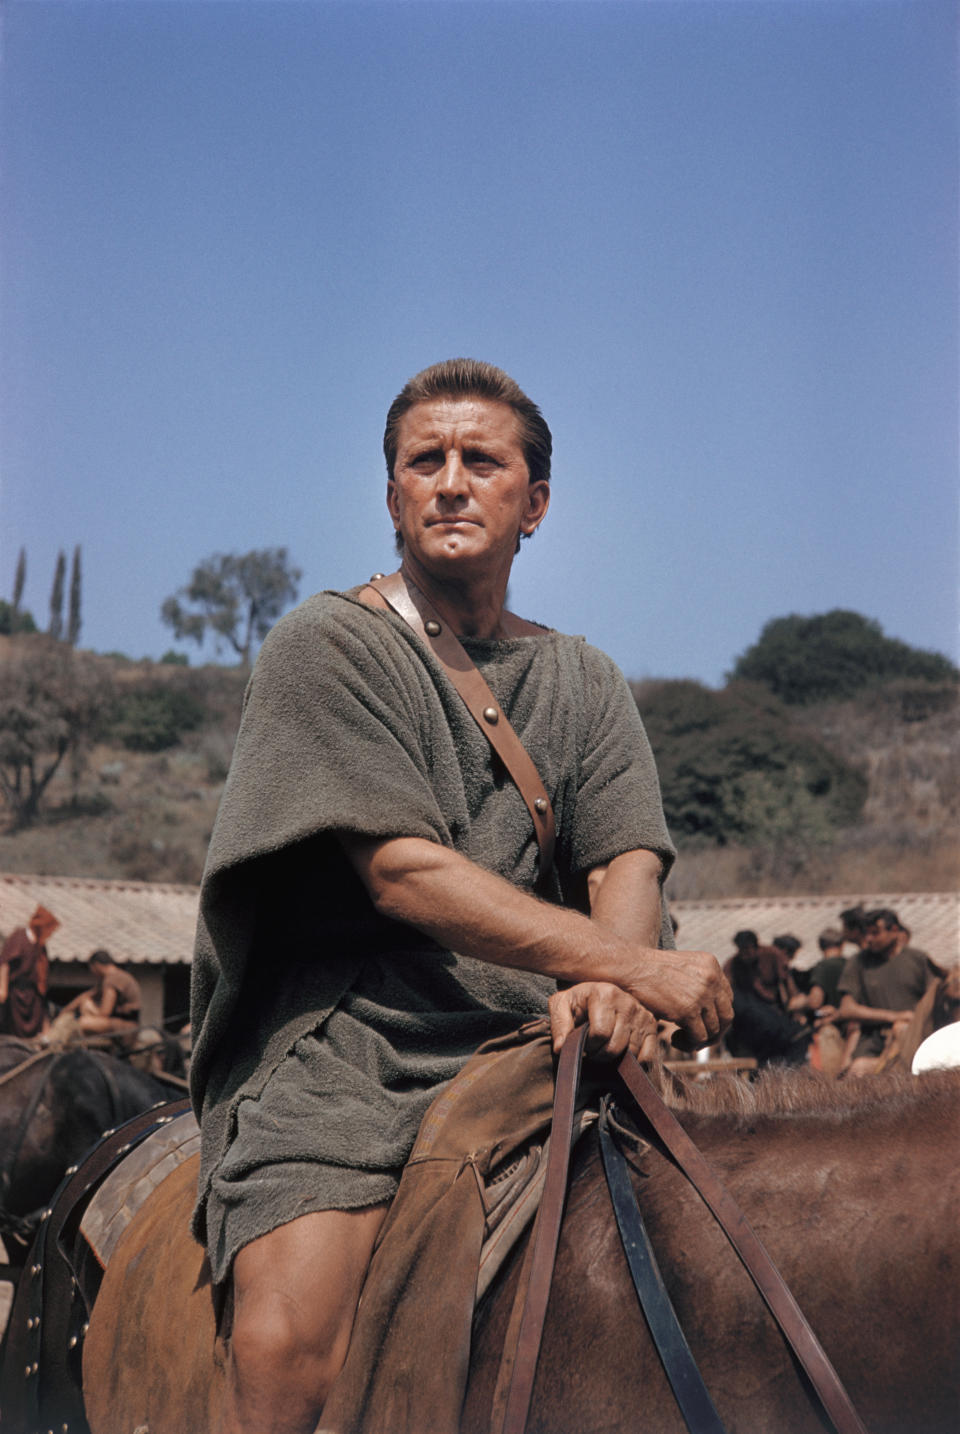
(452, 477)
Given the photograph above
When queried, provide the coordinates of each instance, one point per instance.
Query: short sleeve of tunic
(331, 739)
(618, 803)
(850, 982)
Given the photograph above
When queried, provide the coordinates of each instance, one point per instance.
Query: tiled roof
(933, 919)
(137, 921)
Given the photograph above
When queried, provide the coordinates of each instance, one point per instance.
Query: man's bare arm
(625, 896)
(107, 1001)
(472, 911)
(851, 1010)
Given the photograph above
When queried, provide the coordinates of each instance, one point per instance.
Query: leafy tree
(13, 619)
(74, 621)
(237, 597)
(56, 597)
(151, 719)
(833, 655)
(734, 768)
(53, 704)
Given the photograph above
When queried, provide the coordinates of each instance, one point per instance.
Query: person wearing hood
(24, 972)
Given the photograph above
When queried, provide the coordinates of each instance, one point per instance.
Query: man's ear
(393, 504)
(538, 501)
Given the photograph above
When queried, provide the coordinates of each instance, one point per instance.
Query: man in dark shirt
(880, 987)
(763, 989)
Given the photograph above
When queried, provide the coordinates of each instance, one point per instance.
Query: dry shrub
(859, 860)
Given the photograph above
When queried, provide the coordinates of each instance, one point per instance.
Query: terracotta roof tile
(137, 921)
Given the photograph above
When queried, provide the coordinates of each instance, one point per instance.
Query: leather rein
(533, 1292)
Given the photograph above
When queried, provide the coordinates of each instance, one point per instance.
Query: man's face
(461, 493)
(880, 939)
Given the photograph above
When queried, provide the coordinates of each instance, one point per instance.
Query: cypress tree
(19, 580)
(56, 597)
(74, 622)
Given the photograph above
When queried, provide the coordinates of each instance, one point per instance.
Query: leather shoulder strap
(408, 602)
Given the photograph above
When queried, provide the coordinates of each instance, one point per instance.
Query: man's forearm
(625, 896)
(476, 913)
(851, 1010)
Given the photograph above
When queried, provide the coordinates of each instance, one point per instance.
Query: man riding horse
(379, 896)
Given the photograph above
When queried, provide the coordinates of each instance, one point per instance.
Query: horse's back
(855, 1207)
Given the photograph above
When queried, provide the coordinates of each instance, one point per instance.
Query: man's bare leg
(106, 1025)
(295, 1294)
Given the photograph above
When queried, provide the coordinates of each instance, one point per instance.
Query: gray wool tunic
(323, 1030)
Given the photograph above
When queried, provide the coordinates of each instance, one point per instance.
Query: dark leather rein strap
(784, 1308)
(407, 601)
(546, 1234)
(680, 1367)
(765, 1275)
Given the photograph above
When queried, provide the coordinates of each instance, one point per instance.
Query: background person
(853, 926)
(834, 1042)
(112, 1005)
(24, 974)
(790, 945)
(763, 989)
(880, 987)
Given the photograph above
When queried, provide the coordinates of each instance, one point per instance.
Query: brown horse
(853, 1189)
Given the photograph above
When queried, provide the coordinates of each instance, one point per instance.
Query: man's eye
(481, 460)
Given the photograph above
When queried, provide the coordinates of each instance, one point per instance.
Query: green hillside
(127, 762)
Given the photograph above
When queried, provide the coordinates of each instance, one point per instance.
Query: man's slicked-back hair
(471, 378)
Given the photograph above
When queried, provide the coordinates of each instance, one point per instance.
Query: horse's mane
(780, 1091)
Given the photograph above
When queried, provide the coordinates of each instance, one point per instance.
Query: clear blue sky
(716, 242)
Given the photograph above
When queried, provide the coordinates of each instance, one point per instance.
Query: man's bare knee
(294, 1297)
(271, 1347)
